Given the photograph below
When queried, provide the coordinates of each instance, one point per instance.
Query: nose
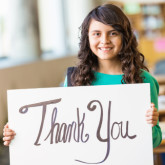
(105, 39)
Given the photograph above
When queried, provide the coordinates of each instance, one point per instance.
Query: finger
(154, 124)
(7, 125)
(152, 120)
(149, 122)
(8, 138)
(152, 113)
(152, 105)
(6, 143)
(7, 130)
(149, 111)
(152, 117)
(153, 108)
(9, 134)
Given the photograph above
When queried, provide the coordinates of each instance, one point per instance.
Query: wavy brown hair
(132, 61)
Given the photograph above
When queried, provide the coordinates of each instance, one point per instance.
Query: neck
(110, 67)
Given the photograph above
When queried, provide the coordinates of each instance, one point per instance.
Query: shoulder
(65, 82)
(70, 70)
(148, 78)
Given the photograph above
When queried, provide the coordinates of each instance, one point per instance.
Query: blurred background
(39, 39)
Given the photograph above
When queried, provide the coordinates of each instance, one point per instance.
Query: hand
(152, 115)
(8, 135)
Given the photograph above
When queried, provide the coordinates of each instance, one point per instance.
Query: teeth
(105, 48)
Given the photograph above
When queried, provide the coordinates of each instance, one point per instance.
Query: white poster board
(81, 125)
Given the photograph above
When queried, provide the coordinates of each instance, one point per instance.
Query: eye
(114, 33)
(96, 34)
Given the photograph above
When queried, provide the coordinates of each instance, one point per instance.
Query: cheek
(118, 43)
(93, 44)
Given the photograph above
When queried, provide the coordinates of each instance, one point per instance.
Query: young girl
(109, 55)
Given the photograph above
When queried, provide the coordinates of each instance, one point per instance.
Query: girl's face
(105, 42)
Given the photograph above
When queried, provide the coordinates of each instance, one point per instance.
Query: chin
(107, 57)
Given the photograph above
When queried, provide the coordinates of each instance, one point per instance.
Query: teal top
(106, 79)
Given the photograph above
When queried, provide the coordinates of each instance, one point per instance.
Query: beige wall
(36, 75)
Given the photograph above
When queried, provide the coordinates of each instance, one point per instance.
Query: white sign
(81, 125)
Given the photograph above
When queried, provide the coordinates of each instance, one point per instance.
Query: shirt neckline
(108, 74)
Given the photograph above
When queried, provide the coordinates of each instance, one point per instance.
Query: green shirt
(106, 79)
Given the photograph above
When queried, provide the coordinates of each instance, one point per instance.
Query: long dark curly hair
(132, 61)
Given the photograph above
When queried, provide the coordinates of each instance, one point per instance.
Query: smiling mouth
(105, 49)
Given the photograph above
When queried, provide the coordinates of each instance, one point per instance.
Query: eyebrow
(100, 31)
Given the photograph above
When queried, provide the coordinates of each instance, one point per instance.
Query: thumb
(7, 125)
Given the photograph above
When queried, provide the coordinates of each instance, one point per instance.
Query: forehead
(99, 26)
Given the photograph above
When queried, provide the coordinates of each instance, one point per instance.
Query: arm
(152, 115)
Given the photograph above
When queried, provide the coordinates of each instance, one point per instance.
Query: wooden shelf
(161, 148)
(161, 112)
(160, 79)
(163, 142)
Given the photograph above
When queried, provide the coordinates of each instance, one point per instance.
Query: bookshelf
(148, 22)
(149, 27)
(161, 149)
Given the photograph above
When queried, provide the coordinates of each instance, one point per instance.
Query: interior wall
(40, 74)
